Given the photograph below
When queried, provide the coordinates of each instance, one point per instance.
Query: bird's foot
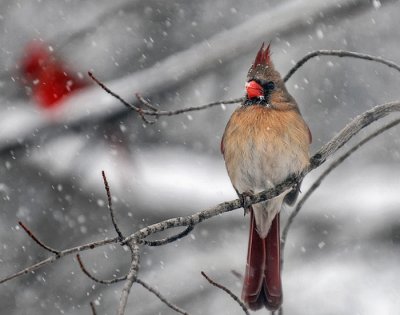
(245, 202)
(295, 179)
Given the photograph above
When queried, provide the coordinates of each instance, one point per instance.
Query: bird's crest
(263, 68)
(263, 56)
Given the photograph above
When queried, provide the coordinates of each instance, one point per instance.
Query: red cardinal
(265, 141)
(49, 78)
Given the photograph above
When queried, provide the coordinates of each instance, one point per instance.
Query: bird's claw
(294, 178)
(245, 203)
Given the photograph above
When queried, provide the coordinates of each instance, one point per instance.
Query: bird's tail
(262, 281)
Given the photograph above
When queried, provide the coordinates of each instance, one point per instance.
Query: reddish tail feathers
(49, 78)
(262, 281)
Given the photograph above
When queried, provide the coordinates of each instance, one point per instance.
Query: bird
(265, 141)
(49, 78)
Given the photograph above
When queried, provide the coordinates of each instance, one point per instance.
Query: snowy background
(343, 250)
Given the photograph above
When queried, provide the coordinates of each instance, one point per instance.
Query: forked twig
(145, 102)
(139, 281)
(154, 111)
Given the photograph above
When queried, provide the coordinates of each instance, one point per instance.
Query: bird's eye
(270, 85)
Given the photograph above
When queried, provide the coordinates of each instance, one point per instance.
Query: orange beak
(254, 90)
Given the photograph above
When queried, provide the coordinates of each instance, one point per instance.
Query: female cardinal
(265, 141)
(49, 78)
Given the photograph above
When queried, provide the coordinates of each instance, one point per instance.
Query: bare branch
(131, 277)
(327, 150)
(153, 111)
(145, 102)
(162, 298)
(61, 254)
(39, 242)
(198, 59)
(110, 208)
(338, 53)
(170, 239)
(86, 272)
(352, 129)
(141, 282)
(233, 296)
(92, 307)
(319, 180)
(119, 98)
(192, 109)
(146, 120)
(319, 158)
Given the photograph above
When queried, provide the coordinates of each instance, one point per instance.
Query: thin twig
(146, 102)
(170, 239)
(61, 254)
(319, 180)
(119, 98)
(194, 108)
(86, 272)
(145, 119)
(154, 111)
(319, 158)
(157, 112)
(338, 53)
(110, 208)
(129, 105)
(39, 242)
(93, 308)
(162, 298)
(141, 282)
(233, 296)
